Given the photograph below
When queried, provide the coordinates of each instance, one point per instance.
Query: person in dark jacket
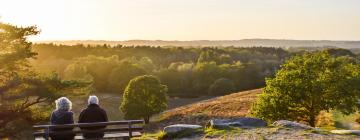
(93, 113)
(62, 115)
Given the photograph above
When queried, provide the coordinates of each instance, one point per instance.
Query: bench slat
(89, 131)
(106, 136)
(114, 135)
(89, 124)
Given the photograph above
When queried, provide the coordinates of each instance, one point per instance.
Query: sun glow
(186, 19)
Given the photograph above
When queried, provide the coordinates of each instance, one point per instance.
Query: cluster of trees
(310, 83)
(186, 71)
(109, 74)
(25, 93)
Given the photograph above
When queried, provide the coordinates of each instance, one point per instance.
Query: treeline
(186, 71)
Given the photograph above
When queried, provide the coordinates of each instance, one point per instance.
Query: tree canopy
(143, 97)
(308, 84)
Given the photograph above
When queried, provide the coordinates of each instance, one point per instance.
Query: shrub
(325, 119)
(358, 120)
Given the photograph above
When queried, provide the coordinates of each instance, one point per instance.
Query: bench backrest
(128, 126)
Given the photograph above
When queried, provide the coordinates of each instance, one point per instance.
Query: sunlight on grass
(214, 132)
(147, 136)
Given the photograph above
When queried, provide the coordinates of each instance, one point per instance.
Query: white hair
(63, 104)
(93, 100)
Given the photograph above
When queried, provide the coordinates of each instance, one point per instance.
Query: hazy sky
(186, 19)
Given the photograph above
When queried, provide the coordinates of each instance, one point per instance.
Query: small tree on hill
(144, 96)
(222, 86)
(308, 84)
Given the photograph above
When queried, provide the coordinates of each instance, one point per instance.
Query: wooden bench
(118, 129)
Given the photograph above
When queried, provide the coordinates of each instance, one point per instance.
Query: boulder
(355, 132)
(238, 122)
(290, 124)
(176, 128)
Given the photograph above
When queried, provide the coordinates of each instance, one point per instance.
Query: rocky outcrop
(355, 132)
(177, 128)
(238, 122)
(290, 124)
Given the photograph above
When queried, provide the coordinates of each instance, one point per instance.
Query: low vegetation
(270, 132)
(211, 132)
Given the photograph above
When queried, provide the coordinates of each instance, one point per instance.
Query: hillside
(232, 106)
(229, 106)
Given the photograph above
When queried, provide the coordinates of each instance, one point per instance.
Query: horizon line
(196, 40)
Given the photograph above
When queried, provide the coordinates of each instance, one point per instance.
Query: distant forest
(220, 43)
(187, 71)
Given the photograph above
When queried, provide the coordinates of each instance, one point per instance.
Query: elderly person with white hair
(62, 115)
(93, 113)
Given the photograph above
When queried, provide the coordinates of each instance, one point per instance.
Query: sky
(186, 19)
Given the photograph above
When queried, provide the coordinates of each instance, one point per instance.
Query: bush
(358, 120)
(222, 86)
(325, 119)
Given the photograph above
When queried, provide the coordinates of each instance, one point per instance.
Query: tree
(122, 74)
(340, 52)
(222, 86)
(98, 69)
(207, 55)
(77, 71)
(205, 74)
(24, 93)
(146, 64)
(308, 84)
(178, 77)
(143, 97)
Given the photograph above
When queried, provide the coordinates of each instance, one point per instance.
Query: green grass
(163, 135)
(214, 132)
(273, 130)
(147, 136)
(327, 128)
(207, 132)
